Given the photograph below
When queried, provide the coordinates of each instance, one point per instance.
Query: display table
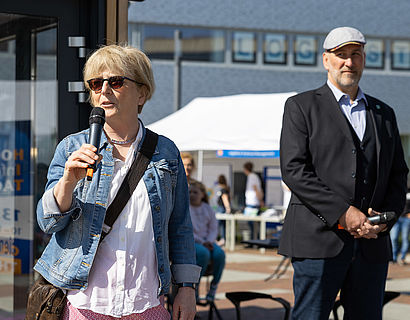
(231, 220)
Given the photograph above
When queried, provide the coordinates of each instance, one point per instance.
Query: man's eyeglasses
(114, 82)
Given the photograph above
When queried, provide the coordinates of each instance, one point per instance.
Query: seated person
(205, 228)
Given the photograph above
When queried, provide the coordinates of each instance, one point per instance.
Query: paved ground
(248, 269)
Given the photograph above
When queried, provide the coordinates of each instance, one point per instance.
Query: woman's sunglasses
(115, 82)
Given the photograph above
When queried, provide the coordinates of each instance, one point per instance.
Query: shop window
(244, 47)
(275, 48)
(374, 54)
(305, 50)
(400, 55)
(202, 45)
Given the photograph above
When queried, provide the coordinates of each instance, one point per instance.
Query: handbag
(46, 301)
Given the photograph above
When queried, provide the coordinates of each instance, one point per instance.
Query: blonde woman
(131, 271)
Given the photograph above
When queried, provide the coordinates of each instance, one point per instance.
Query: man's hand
(357, 224)
(368, 230)
(184, 307)
(352, 221)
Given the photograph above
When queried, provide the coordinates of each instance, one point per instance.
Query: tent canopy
(238, 122)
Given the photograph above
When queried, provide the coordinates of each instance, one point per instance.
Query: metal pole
(177, 70)
(200, 164)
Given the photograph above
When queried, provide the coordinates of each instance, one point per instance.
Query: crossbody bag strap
(131, 180)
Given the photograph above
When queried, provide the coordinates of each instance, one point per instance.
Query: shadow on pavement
(250, 312)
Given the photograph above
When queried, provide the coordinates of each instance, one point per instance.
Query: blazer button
(354, 151)
(353, 175)
(365, 181)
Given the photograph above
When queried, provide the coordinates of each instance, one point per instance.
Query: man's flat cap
(342, 36)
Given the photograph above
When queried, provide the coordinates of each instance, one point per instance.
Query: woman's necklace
(122, 142)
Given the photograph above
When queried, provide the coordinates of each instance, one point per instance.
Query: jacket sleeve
(49, 217)
(395, 195)
(298, 171)
(180, 233)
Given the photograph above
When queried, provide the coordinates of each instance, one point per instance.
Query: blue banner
(15, 146)
(247, 154)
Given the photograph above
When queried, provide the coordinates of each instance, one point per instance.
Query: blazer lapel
(327, 102)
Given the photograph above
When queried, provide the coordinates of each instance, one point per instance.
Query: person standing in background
(342, 158)
(401, 227)
(189, 166)
(253, 194)
(224, 205)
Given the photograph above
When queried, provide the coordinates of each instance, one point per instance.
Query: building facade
(217, 48)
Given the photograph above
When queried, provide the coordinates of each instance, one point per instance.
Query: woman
(205, 232)
(189, 166)
(130, 272)
(224, 205)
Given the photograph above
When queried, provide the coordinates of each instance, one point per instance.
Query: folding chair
(237, 297)
(212, 307)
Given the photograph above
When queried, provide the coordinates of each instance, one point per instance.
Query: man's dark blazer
(318, 164)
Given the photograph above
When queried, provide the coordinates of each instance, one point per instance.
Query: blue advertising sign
(247, 154)
(16, 200)
(275, 48)
(305, 50)
(15, 158)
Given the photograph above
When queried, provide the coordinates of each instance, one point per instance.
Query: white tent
(238, 122)
(246, 122)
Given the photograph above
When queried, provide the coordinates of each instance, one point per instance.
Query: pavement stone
(247, 269)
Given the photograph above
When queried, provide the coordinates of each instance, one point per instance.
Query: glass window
(28, 135)
(400, 55)
(202, 45)
(374, 53)
(275, 48)
(244, 47)
(158, 41)
(305, 50)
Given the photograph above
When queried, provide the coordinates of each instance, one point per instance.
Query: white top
(204, 223)
(123, 278)
(355, 112)
(251, 198)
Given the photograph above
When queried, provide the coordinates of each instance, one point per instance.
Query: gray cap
(342, 36)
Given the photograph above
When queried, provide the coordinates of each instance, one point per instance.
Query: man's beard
(348, 81)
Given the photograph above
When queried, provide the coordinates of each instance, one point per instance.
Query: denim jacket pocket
(168, 171)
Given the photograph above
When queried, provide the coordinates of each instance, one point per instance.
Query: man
(253, 194)
(342, 158)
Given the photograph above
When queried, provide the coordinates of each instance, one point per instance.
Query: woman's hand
(184, 307)
(208, 245)
(75, 169)
(76, 166)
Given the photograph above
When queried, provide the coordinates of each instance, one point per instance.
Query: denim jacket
(66, 261)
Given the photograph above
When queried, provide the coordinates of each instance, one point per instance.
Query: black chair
(237, 297)
(388, 296)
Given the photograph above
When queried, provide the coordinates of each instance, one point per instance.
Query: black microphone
(384, 217)
(96, 120)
